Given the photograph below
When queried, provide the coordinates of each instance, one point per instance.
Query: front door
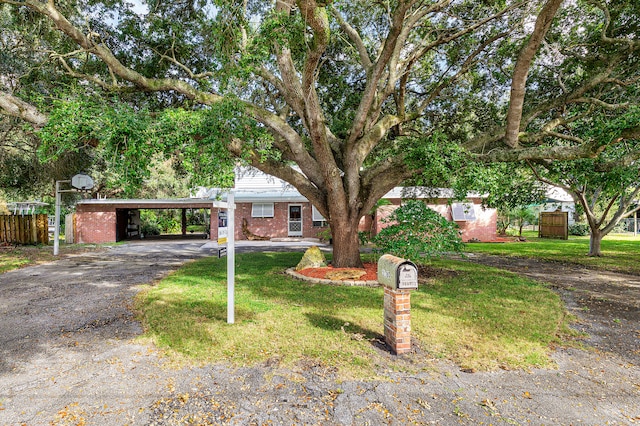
(295, 220)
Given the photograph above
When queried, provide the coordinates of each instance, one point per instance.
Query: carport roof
(169, 203)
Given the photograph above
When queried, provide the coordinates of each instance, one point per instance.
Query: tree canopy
(606, 187)
(344, 100)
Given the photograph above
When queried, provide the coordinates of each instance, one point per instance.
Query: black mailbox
(397, 273)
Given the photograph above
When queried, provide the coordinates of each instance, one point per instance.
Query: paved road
(67, 356)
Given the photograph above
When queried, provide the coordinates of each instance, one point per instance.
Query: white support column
(231, 254)
(56, 232)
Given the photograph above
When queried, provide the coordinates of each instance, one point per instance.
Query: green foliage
(149, 223)
(606, 186)
(417, 232)
(118, 134)
(325, 234)
(445, 164)
(579, 229)
(518, 216)
(363, 237)
(156, 222)
(442, 164)
(150, 228)
(123, 140)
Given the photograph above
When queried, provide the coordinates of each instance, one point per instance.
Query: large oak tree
(344, 100)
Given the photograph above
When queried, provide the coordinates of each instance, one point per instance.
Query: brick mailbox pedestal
(399, 277)
(397, 319)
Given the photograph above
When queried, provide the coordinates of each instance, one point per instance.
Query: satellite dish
(82, 182)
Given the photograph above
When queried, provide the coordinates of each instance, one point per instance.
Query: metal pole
(231, 254)
(56, 233)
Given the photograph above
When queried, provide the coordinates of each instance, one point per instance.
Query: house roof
(558, 195)
(253, 185)
(423, 192)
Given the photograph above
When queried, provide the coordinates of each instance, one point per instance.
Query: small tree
(418, 232)
(522, 216)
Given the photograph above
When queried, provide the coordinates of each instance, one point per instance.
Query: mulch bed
(371, 270)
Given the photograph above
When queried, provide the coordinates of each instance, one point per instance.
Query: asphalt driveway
(68, 356)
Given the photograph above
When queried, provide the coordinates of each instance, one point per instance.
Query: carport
(112, 220)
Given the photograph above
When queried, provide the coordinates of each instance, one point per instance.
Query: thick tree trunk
(346, 244)
(594, 243)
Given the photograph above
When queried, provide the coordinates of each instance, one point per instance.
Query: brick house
(270, 207)
(266, 207)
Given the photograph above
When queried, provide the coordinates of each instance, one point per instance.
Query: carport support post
(231, 254)
(56, 231)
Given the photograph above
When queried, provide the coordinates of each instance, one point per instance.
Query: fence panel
(30, 229)
(554, 225)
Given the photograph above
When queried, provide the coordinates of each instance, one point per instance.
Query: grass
(479, 317)
(10, 260)
(27, 255)
(620, 253)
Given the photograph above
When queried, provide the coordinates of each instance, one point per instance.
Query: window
(262, 210)
(318, 220)
(463, 212)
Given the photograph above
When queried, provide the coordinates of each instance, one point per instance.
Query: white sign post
(231, 254)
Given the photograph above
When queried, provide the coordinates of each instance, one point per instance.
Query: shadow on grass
(356, 332)
(159, 311)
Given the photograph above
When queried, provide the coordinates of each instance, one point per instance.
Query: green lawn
(21, 256)
(479, 317)
(621, 253)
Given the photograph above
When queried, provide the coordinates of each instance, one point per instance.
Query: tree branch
(14, 107)
(355, 39)
(629, 42)
(521, 70)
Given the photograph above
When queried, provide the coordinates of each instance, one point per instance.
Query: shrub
(325, 234)
(418, 232)
(150, 228)
(149, 223)
(579, 229)
(363, 236)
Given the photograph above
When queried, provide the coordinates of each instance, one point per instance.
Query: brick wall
(95, 225)
(276, 226)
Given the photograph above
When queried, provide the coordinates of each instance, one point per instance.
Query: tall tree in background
(344, 100)
(607, 187)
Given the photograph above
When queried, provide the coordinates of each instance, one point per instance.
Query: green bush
(149, 223)
(579, 229)
(418, 232)
(149, 228)
(363, 236)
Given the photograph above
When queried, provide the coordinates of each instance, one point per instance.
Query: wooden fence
(29, 229)
(554, 225)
